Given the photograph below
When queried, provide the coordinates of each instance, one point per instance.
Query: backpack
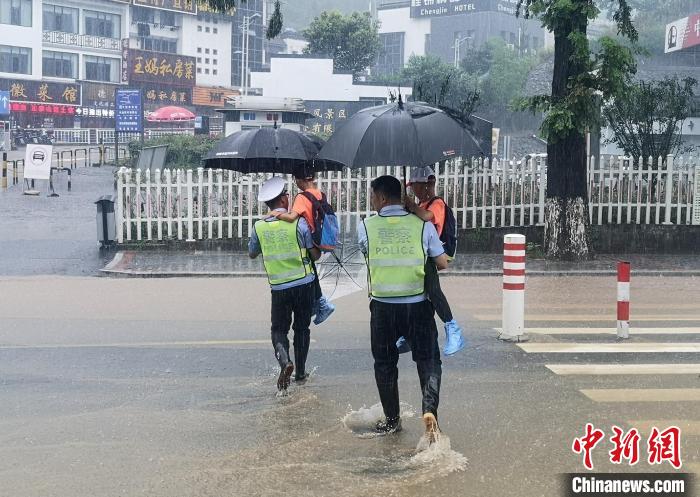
(449, 229)
(325, 236)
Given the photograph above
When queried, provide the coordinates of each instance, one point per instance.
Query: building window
(215, 21)
(166, 45)
(215, 30)
(57, 18)
(199, 49)
(199, 29)
(390, 60)
(101, 69)
(273, 116)
(60, 64)
(249, 116)
(215, 51)
(206, 50)
(214, 72)
(142, 14)
(214, 62)
(207, 29)
(16, 12)
(206, 61)
(102, 24)
(167, 18)
(206, 71)
(17, 60)
(199, 70)
(199, 60)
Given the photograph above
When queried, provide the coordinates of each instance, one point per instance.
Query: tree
(580, 79)
(225, 6)
(441, 84)
(645, 117)
(505, 77)
(274, 25)
(352, 40)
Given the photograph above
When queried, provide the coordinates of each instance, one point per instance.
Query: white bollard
(623, 300)
(513, 288)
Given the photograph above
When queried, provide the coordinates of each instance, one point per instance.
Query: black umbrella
(266, 150)
(400, 134)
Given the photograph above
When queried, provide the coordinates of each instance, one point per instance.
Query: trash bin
(106, 225)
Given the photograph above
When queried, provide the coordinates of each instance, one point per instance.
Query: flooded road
(160, 392)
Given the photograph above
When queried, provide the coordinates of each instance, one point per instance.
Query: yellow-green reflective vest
(395, 255)
(284, 259)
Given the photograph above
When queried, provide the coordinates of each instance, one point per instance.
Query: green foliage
(645, 117)
(505, 76)
(274, 26)
(477, 61)
(184, 151)
(441, 84)
(589, 77)
(352, 40)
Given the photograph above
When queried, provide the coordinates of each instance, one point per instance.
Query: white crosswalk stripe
(688, 428)
(611, 331)
(609, 348)
(642, 394)
(622, 369)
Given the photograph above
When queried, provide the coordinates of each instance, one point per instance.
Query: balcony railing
(78, 40)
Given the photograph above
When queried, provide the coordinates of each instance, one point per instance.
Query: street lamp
(247, 20)
(458, 42)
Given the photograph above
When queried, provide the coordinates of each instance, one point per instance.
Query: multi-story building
(63, 59)
(47, 48)
(449, 29)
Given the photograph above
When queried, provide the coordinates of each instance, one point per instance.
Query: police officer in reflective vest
(396, 245)
(287, 250)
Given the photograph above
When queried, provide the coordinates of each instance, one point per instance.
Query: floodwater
(300, 447)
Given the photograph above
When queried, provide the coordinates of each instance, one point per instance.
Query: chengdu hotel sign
(438, 8)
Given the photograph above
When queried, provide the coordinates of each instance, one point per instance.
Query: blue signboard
(4, 103)
(128, 111)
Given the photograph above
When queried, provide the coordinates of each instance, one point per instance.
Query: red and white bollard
(623, 300)
(513, 288)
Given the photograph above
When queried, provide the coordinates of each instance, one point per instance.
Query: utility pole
(458, 42)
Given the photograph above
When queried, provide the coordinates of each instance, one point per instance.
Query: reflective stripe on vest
(395, 255)
(284, 259)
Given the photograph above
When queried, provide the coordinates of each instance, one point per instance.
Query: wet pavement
(167, 388)
(229, 263)
(41, 235)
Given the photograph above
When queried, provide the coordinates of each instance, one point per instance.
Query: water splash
(438, 456)
(363, 421)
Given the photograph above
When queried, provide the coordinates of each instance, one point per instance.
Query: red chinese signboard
(65, 110)
(161, 68)
(683, 33)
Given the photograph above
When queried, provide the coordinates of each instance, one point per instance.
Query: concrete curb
(127, 273)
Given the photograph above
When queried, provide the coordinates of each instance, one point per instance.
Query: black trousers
(416, 323)
(293, 302)
(434, 291)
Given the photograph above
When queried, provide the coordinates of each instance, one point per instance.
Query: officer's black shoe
(300, 379)
(285, 375)
(388, 426)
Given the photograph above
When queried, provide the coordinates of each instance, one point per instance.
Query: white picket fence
(207, 204)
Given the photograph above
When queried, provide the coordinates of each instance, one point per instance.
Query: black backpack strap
(314, 201)
(430, 202)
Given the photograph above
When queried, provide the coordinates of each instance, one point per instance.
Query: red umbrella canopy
(170, 113)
